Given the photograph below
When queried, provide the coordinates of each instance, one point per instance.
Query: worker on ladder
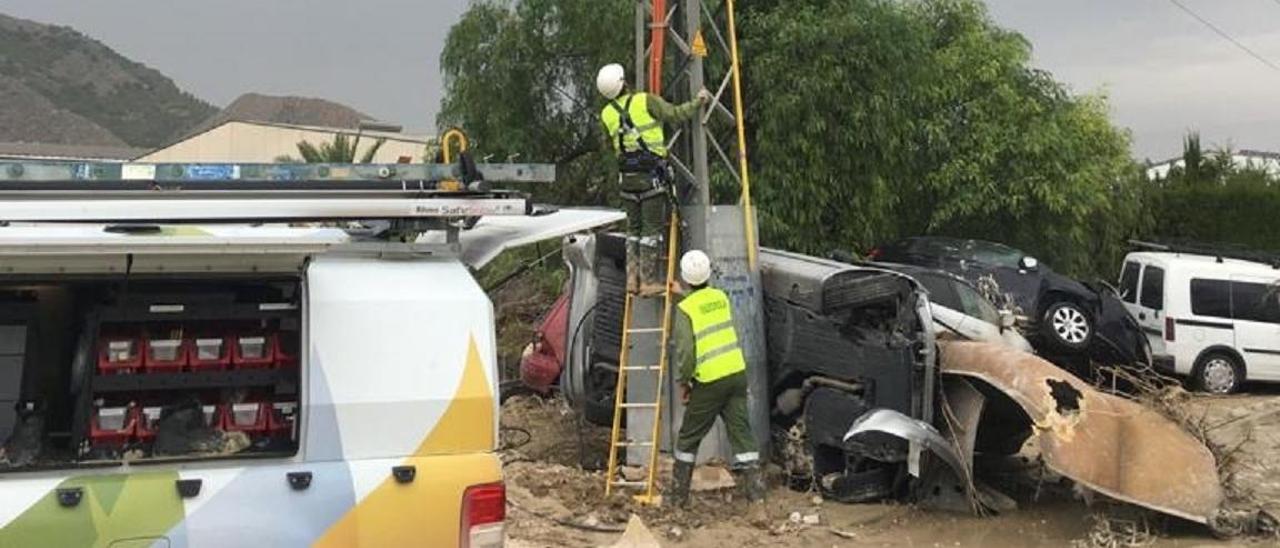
(633, 122)
(712, 373)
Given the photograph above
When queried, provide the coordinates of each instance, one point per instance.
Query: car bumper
(1164, 363)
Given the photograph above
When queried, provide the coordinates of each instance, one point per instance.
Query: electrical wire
(1226, 36)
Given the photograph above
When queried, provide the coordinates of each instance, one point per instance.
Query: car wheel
(1067, 326)
(1218, 373)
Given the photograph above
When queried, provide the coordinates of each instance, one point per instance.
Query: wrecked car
(1070, 322)
(960, 310)
(843, 340)
(867, 404)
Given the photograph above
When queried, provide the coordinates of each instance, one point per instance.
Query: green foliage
(341, 151)
(1210, 199)
(873, 120)
(868, 120)
(520, 79)
(1241, 212)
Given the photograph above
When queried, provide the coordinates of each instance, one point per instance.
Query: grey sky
(1163, 71)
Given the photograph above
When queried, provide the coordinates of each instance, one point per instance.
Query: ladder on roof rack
(200, 192)
(1218, 251)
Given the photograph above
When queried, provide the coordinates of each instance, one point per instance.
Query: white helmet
(610, 80)
(695, 267)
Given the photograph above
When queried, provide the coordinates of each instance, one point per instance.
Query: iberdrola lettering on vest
(643, 132)
(715, 340)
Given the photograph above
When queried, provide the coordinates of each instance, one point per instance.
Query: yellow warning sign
(699, 45)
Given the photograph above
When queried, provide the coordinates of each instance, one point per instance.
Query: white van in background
(1213, 319)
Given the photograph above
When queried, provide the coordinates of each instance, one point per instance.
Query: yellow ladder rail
(650, 495)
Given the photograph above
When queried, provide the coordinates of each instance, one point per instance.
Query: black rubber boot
(681, 475)
(753, 484)
(753, 488)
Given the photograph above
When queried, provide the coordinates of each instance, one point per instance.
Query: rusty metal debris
(1106, 443)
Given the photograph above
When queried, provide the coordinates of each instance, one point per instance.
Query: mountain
(59, 86)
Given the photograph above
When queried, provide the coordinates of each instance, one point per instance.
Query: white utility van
(1213, 319)
(176, 370)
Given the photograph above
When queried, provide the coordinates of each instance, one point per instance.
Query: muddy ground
(557, 501)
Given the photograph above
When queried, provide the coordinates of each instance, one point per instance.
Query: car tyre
(1218, 373)
(1067, 326)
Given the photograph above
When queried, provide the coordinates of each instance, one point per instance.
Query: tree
(874, 119)
(520, 79)
(341, 151)
(868, 120)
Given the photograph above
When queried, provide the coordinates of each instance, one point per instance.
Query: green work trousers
(646, 203)
(725, 398)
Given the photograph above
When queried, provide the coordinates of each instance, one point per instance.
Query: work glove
(685, 391)
(705, 97)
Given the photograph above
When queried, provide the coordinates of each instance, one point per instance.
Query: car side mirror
(1006, 319)
(1029, 263)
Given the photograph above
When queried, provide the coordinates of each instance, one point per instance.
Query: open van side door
(1142, 291)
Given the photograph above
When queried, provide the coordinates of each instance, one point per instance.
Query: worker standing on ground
(633, 123)
(713, 380)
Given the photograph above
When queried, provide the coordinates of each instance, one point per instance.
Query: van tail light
(1168, 328)
(484, 509)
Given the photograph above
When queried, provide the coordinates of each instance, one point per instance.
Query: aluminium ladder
(662, 332)
(411, 194)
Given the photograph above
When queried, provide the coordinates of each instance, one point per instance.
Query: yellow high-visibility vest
(716, 341)
(645, 132)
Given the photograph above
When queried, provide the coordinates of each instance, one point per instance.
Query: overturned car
(867, 404)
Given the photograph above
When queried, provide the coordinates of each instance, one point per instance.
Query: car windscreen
(994, 254)
(1129, 282)
(940, 290)
(976, 305)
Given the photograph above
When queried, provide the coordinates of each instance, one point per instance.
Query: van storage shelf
(284, 380)
(153, 312)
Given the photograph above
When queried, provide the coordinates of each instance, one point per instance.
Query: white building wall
(241, 142)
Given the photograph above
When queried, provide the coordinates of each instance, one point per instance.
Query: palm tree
(341, 151)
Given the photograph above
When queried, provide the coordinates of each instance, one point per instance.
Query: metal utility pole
(702, 33)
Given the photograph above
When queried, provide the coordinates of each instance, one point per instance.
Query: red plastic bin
(147, 421)
(254, 351)
(211, 353)
(283, 417)
(112, 427)
(165, 355)
(285, 358)
(119, 354)
(253, 419)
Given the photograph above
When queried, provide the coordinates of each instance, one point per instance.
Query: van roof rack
(415, 197)
(1218, 251)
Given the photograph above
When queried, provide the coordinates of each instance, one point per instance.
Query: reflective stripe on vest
(644, 126)
(715, 340)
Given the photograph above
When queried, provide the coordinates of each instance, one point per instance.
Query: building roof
(285, 110)
(48, 151)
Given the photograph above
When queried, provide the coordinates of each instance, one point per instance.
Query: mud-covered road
(557, 501)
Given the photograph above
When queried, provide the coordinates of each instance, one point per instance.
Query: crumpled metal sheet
(866, 429)
(1109, 444)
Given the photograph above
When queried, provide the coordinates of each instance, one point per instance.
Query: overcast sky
(1164, 72)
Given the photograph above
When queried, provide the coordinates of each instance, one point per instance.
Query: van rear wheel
(1218, 373)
